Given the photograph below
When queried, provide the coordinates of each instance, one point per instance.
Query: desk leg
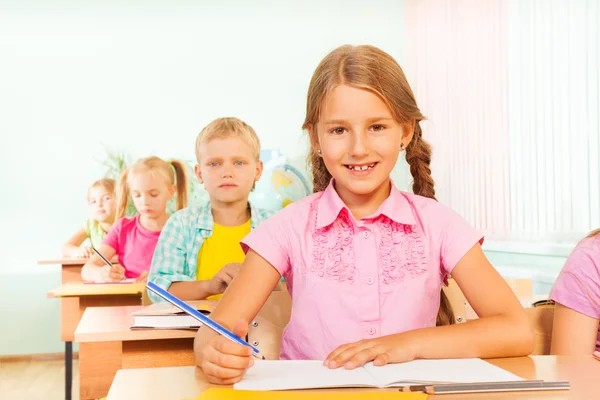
(68, 370)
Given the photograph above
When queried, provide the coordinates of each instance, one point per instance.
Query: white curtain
(511, 92)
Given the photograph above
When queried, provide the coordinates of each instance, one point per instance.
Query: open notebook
(303, 374)
(228, 394)
(128, 280)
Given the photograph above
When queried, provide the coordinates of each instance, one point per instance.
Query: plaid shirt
(176, 254)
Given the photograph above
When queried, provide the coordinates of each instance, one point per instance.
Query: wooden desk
(107, 344)
(92, 295)
(188, 382)
(76, 296)
(70, 309)
(70, 272)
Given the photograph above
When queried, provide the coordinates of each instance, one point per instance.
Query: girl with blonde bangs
(101, 200)
(149, 183)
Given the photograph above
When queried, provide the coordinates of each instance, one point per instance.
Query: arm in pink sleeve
(271, 240)
(112, 237)
(578, 285)
(457, 237)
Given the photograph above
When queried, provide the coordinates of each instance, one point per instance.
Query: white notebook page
(466, 370)
(301, 374)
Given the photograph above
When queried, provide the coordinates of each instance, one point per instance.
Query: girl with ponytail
(149, 183)
(365, 262)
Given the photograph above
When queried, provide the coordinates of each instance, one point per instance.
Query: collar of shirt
(205, 221)
(396, 207)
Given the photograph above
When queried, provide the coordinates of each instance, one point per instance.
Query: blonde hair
(222, 128)
(369, 68)
(593, 233)
(174, 172)
(104, 183)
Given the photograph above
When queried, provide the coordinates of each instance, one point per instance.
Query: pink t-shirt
(353, 280)
(578, 285)
(134, 245)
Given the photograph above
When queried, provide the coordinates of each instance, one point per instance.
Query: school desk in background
(107, 342)
(70, 309)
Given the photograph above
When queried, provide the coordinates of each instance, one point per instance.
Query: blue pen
(202, 318)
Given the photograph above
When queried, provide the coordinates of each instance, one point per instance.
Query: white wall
(145, 78)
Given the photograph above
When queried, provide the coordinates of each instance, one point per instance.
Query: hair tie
(170, 162)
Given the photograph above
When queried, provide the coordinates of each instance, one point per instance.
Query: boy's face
(228, 169)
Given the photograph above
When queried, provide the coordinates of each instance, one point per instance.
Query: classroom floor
(39, 379)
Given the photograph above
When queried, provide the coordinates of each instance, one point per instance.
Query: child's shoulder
(586, 253)
(431, 212)
(302, 207)
(591, 243)
(90, 224)
(190, 215)
(261, 213)
(126, 222)
(425, 205)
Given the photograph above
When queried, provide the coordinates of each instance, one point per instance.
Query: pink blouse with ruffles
(353, 280)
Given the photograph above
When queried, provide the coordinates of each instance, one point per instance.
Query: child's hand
(223, 278)
(83, 252)
(383, 350)
(225, 362)
(116, 273)
(143, 277)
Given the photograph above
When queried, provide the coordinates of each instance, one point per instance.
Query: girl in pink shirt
(576, 293)
(150, 182)
(365, 262)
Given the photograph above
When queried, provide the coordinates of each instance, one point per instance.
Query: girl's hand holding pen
(225, 362)
(114, 273)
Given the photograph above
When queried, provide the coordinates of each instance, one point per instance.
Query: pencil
(511, 386)
(102, 257)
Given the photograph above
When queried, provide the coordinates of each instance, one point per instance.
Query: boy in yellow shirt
(198, 252)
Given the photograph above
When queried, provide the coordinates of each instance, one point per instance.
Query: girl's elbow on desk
(524, 332)
(524, 341)
(516, 335)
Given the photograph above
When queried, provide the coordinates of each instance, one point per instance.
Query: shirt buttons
(366, 234)
(371, 330)
(370, 280)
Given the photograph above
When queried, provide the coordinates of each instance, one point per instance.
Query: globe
(280, 183)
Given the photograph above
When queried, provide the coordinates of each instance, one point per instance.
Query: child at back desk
(100, 198)
(199, 253)
(363, 261)
(151, 182)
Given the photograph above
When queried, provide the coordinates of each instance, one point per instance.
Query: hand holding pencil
(225, 362)
(111, 272)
